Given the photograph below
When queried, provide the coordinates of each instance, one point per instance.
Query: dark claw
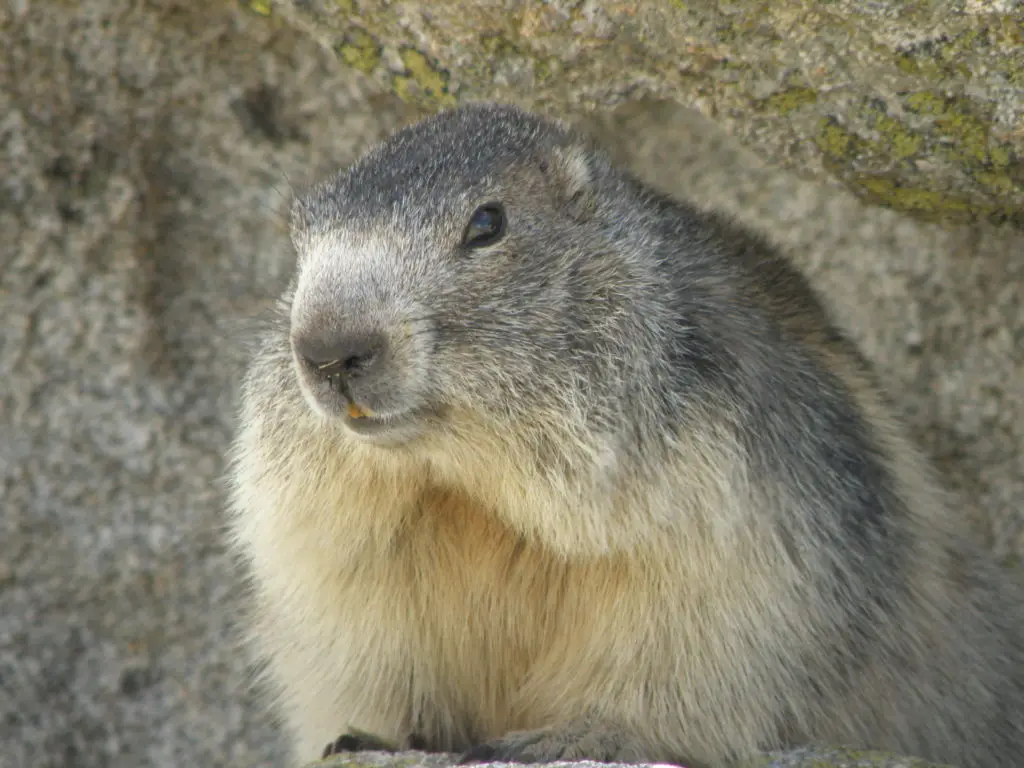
(356, 742)
(346, 743)
(418, 744)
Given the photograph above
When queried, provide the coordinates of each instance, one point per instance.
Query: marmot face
(426, 269)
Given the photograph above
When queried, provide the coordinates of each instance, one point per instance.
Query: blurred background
(147, 156)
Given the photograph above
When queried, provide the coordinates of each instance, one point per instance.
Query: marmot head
(465, 264)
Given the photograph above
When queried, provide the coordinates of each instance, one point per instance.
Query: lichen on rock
(913, 105)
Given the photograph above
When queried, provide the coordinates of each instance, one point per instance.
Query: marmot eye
(486, 226)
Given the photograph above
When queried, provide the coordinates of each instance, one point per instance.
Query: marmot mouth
(369, 424)
(361, 418)
(357, 411)
(366, 425)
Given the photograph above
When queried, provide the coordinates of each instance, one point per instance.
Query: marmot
(537, 463)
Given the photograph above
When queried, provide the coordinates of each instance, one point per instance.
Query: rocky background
(148, 149)
(912, 104)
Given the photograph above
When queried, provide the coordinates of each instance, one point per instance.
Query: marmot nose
(344, 357)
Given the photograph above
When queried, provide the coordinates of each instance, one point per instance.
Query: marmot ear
(570, 170)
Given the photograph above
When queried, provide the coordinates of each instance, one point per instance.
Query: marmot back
(535, 463)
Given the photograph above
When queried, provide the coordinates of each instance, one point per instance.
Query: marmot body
(537, 463)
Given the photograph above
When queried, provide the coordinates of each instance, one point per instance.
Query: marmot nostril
(349, 356)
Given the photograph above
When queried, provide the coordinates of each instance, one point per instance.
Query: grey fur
(629, 494)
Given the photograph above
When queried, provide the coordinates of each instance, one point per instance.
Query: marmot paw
(571, 743)
(358, 741)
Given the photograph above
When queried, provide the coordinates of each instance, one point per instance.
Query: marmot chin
(536, 463)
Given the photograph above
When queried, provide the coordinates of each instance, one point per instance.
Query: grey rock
(808, 757)
(914, 105)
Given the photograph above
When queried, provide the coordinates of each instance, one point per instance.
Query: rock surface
(913, 104)
(146, 152)
(810, 757)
